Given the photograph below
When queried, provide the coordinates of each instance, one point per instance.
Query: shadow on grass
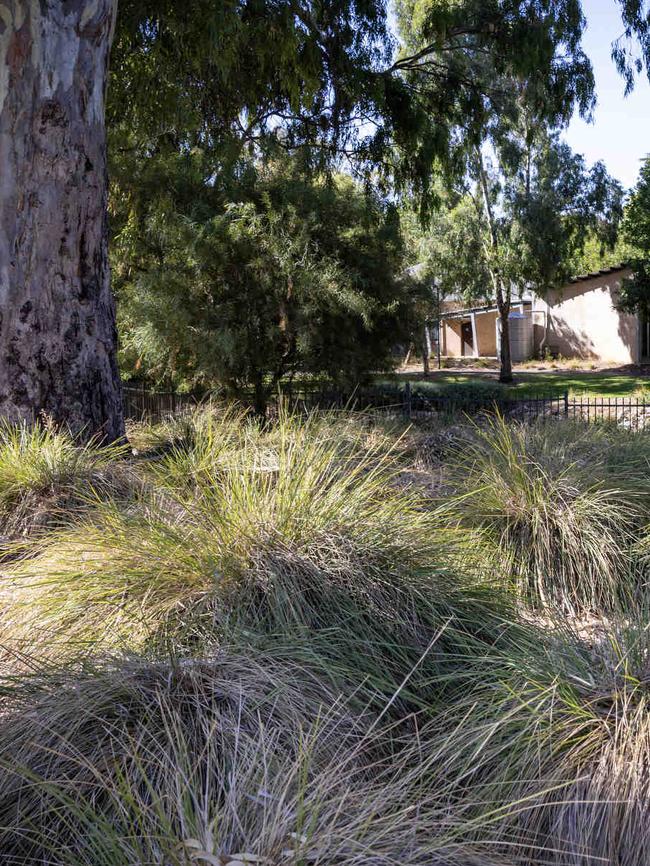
(617, 382)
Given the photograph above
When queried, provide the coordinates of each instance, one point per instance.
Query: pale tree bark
(502, 293)
(505, 358)
(57, 318)
(426, 349)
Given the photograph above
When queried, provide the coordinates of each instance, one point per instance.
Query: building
(579, 320)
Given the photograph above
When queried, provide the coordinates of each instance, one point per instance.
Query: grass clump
(557, 507)
(283, 648)
(233, 759)
(559, 735)
(45, 475)
(298, 533)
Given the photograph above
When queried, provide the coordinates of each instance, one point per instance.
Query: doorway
(467, 339)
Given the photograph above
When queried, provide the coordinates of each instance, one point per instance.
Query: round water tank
(521, 336)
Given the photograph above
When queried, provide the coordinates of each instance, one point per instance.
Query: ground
(533, 379)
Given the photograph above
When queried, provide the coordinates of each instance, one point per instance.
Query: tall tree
(57, 322)
(635, 292)
(513, 96)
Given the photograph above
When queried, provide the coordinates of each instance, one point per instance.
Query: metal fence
(142, 404)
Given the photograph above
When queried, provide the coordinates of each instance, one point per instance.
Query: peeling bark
(57, 318)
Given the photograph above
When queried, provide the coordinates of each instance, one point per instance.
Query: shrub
(558, 505)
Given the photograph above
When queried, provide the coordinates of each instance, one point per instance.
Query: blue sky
(620, 134)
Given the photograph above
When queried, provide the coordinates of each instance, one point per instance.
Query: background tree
(291, 276)
(536, 206)
(524, 221)
(445, 260)
(320, 82)
(631, 51)
(512, 98)
(561, 206)
(635, 292)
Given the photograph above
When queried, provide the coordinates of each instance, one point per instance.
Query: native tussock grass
(45, 475)
(232, 759)
(296, 532)
(562, 504)
(274, 651)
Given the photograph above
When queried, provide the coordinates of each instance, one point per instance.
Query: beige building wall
(584, 323)
(486, 333)
(451, 342)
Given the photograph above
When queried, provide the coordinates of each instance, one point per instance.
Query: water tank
(521, 336)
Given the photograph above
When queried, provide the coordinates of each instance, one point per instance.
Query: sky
(620, 133)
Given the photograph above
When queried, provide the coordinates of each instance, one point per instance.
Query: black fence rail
(141, 404)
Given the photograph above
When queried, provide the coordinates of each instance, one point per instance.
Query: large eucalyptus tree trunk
(57, 317)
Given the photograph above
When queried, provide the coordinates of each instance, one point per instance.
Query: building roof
(485, 308)
(526, 297)
(623, 266)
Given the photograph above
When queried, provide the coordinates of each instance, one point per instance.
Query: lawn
(547, 383)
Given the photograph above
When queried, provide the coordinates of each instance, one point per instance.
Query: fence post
(566, 404)
(407, 400)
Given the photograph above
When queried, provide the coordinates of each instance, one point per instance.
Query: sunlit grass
(560, 732)
(560, 504)
(298, 532)
(277, 650)
(45, 473)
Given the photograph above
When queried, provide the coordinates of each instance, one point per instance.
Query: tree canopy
(635, 292)
(631, 51)
(290, 275)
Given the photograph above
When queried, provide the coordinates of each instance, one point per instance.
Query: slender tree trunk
(57, 318)
(505, 358)
(502, 298)
(261, 397)
(426, 349)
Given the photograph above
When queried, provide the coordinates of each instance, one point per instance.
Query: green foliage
(325, 78)
(458, 56)
(560, 205)
(625, 50)
(635, 292)
(290, 276)
(225, 75)
(592, 257)
(447, 252)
